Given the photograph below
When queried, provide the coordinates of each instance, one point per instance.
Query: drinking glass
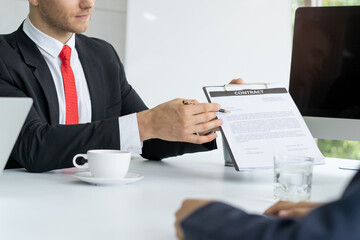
(293, 178)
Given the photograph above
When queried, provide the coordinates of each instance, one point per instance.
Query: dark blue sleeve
(335, 221)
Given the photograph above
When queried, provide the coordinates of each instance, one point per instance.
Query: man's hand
(290, 209)
(188, 207)
(174, 121)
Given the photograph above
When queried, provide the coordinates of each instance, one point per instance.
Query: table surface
(56, 205)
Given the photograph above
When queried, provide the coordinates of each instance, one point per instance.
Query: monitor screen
(325, 70)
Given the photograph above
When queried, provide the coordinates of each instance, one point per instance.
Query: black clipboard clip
(226, 86)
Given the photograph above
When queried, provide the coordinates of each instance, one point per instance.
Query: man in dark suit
(82, 99)
(338, 220)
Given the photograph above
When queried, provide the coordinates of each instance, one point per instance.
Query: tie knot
(65, 53)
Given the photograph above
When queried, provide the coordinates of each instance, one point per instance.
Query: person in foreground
(82, 99)
(338, 220)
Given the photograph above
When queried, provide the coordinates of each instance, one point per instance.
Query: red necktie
(71, 105)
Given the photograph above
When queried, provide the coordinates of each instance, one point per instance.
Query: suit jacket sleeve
(335, 221)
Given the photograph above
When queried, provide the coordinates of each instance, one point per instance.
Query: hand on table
(187, 208)
(285, 209)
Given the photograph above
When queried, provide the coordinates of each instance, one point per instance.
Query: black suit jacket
(338, 220)
(45, 145)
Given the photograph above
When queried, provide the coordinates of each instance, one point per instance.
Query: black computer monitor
(325, 70)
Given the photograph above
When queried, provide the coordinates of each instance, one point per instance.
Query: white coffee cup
(104, 163)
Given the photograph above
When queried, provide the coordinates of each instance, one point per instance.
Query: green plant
(340, 2)
(339, 149)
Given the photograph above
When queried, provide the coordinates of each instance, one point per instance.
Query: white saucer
(87, 177)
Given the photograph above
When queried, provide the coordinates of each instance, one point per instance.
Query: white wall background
(173, 48)
(12, 13)
(108, 21)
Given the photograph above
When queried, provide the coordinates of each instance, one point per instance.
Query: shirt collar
(50, 45)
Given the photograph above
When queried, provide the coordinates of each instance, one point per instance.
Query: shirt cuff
(129, 134)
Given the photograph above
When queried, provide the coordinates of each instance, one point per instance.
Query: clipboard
(261, 92)
(227, 87)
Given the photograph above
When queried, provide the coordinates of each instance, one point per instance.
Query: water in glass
(292, 181)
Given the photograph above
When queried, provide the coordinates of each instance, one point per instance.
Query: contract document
(263, 121)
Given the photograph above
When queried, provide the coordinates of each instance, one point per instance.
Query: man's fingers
(206, 126)
(216, 129)
(291, 206)
(237, 81)
(194, 101)
(203, 118)
(204, 107)
(192, 138)
(295, 213)
(274, 209)
(282, 205)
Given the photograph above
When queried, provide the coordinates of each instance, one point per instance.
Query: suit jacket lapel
(92, 69)
(33, 58)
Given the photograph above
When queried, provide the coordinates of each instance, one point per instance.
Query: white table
(55, 205)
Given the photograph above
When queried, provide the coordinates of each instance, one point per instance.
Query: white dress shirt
(50, 48)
